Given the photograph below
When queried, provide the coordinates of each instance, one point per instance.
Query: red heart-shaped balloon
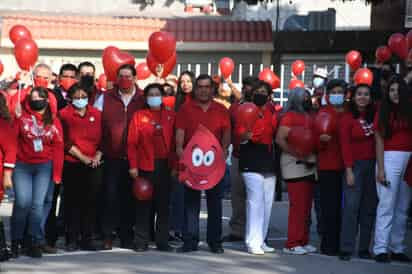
(18, 32)
(383, 54)
(26, 53)
(143, 71)
(153, 64)
(398, 45)
(354, 59)
(162, 45)
(113, 59)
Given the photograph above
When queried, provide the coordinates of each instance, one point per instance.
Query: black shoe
(232, 238)
(329, 253)
(186, 249)
(47, 249)
(35, 252)
(345, 256)
(5, 254)
(71, 247)
(127, 245)
(218, 249)
(166, 248)
(90, 245)
(365, 254)
(15, 249)
(400, 257)
(382, 258)
(140, 248)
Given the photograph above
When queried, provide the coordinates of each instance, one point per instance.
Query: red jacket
(51, 137)
(141, 145)
(83, 132)
(115, 122)
(330, 154)
(8, 147)
(357, 139)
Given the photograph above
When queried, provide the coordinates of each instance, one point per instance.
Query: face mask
(37, 105)
(169, 101)
(336, 99)
(318, 82)
(154, 101)
(307, 105)
(87, 80)
(124, 83)
(80, 103)
(260, 99)
(41, 82)
(67, 83)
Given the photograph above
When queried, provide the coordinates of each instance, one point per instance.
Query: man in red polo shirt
(202, 111)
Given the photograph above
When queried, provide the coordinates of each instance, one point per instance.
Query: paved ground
(234, 260)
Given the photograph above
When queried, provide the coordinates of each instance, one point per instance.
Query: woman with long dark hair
(149, 147)
(39, 160)
(393, 137)
(7, 162)
(358, 150)
(184, 88)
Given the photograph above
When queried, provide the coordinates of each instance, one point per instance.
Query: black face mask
(87, 81)
(37, 105)
(260, 99)
(307, 105)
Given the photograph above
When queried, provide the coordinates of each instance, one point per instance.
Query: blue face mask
(80, 103)
(318, 82)
(336, 99)
(154, 101)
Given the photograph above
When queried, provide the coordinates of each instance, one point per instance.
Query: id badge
(38, 145)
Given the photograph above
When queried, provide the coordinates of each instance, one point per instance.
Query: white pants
(260, 189)
(392, 211)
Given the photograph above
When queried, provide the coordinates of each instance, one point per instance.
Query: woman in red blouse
(358, 149)
(393, 124)
(39, 160)
(149, 147)
(81, 175)
(299, 173)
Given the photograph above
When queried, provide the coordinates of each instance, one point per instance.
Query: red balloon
(383, 54)
(354, 59)
(1, 68)
(409, 39)
(18, 32)
(295, 83)
(363, 76)
(269, 77)
(398, 45)
(153, 64)
(143, 71)
(142, 189)
(301, 141)
(226, 66)
(298, 67)
(246, 115)
(113, 58)
(325, 123)
(26, 53)
(162, 45)
(102, 82)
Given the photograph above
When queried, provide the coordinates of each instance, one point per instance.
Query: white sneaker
(297, 250)
(255, 251)
(267, 248)
(310, 248)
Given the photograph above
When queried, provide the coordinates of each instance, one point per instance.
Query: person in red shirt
(393, 124)
(149, 148)
(81, 174)
(39, 161)
(357, 142)
(257, 169)
(119, 106)
(298, 173)
(184, 89)
(330, 168)
(7, 161)
(202, 110)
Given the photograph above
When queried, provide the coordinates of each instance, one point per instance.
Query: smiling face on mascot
(203, 163)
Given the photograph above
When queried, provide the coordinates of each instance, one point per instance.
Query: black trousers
(55, 224)
(155, 211)
(214, 219)
(119, 207)
(330, 183)
(81, 187)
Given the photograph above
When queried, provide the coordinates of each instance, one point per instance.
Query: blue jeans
(177, 205)
(31, 184)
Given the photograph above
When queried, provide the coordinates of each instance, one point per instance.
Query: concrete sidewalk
(234, 260)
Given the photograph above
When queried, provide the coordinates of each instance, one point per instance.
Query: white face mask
(154, 101)
(318, 82)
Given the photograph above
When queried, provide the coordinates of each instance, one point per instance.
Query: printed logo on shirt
(367, 127)
(35, 132)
